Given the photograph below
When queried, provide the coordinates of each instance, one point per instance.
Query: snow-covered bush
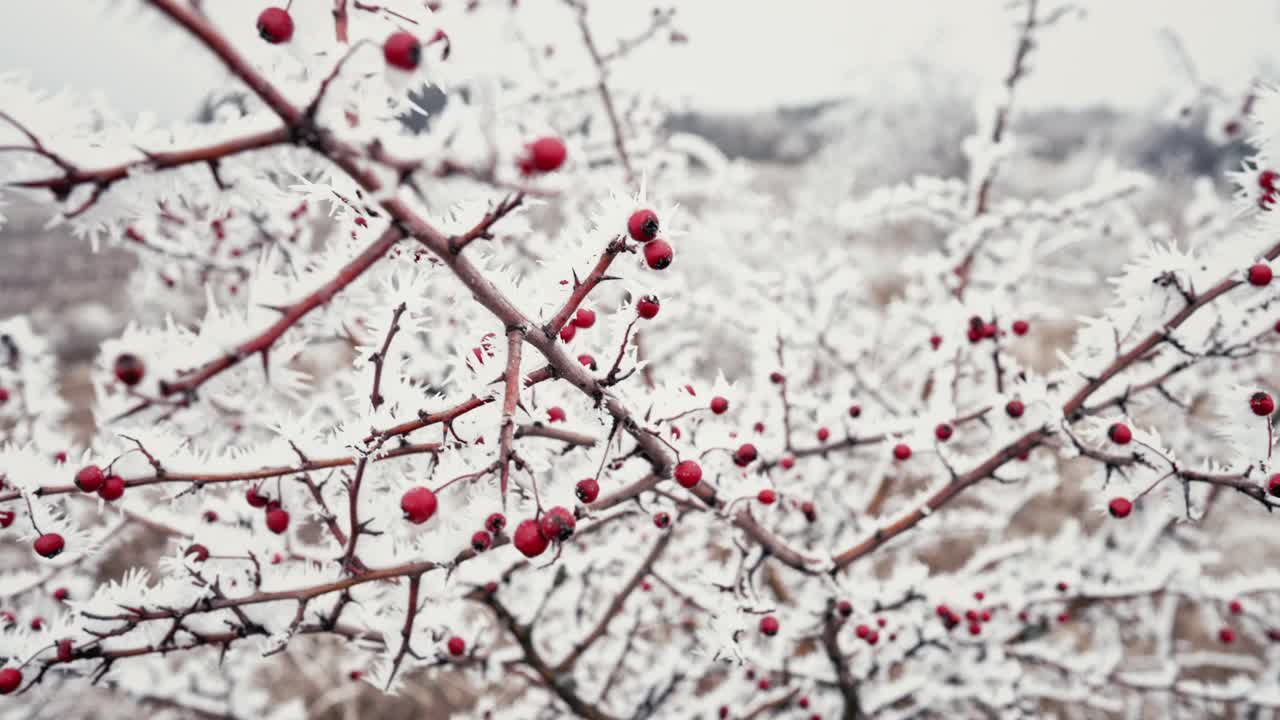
(549, 401)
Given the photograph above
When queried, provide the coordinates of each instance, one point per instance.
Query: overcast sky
(750, 53)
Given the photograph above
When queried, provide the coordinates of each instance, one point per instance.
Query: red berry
(862, 631)
(10, 680)
(61, 594)
(787, 462)
(4, 395)
(210, 516)
(769, 625)
(1015, 408)
(823, 434)
(129, 369)
(873, 638)
(1062, 586)
(845, 608)
(275, 26)
(688, 473)
(198, 553)
(418, 505)
(1273, 485)
(529, 539)
(112, 488)
(777, 378)
(810, 512)
(495, 523)
(935, 341)
(277, 520)
(547, 154)
(1020, 327)
(37, 623)
(481, 541)
(990, 330)
(744, 455)
(584, 318)
(1120, 434)
(402, 50)
(943, 432)
(662, 520)
(255, 498)
(89, 478)
(65, 651)
(979, 596)
(1226, 636)
(557, 524)
(587, 361)
(1261, 404)
(49, 545)
(803, 702)
(719, 405)
(975, 628)
(6, 518)
(567, 332)
(1235, 607)
(647, 308)
(658, 254)
(974, 334)
(767, 496)
(556, 414)
(642, 226)
(457, 646)
(1260, 275)
(1064, 618)
(1267, 180)
(1120, 507)
(855, 411)
(587, 490)
(901, 451)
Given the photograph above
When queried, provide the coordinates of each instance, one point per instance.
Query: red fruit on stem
(688, 473)
(823, 434)
(481, 541)
(587, 361)
(810, 512)
(584, 318)
(935, 341)
(587, 490)
(275, 25)
(49, 545)
(112, 488)
(767, 496)
(943, 432)
(277, 520)
(197, 553)
(862, 631)
(6, 518)
(901, 451)
(528, 538)
(1260, 275)
(744, 455)
(642, 226)
(556, 414)
(129, 369)
(1015, 408)
(662, 520)
(1267, 180)
(1261, 404)
(89, 478)
(255, 498)
(1120, 507)
(1235, 607)
(457, 646)
(10, 680)
(845, 608)
(557, 524)
(61, 594)
(658, 254)
(547, 154)
(1226, 636)
(648, 306)
(495, 523)
(418, 505)
(568, 332)
(65, 651)
(787, 462)
(402, 50)
(719, 405)
(1020, 327)
(1120, 434)
(1273, 485)
(769, 625)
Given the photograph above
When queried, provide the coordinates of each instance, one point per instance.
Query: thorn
(266, 364)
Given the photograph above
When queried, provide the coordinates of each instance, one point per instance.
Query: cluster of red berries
(532, 537)
(583, 319)
(642, 226)
(92, 478)
(1267, 180)
(277, 517)
(974, 617)
(980, 329)
(868, 634)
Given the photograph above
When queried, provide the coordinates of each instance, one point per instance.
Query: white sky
(748, 54)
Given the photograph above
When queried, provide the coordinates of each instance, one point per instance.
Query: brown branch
(510, 398)
(482, 228)
(426, 419)
(290, 316)
(606, 97)
(566, 436)
(201, 479)
(584, 288)
(406, 632)
(380, 358)
(844, 677)
(615, 605)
